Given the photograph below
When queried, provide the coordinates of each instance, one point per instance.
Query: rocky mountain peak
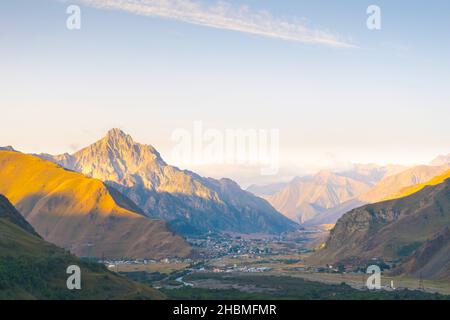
(117, 137)
(119, 145)
(116, 133)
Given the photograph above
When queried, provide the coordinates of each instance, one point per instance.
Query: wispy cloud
(223, 15)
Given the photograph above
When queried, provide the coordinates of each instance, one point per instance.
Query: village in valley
(219, 258)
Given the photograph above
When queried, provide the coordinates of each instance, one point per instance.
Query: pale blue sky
(384, 100)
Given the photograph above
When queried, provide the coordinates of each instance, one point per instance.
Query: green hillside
(31, 268)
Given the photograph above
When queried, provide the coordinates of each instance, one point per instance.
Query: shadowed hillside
(430, 260)
(31, 268)
(80, 213)
(396, 229)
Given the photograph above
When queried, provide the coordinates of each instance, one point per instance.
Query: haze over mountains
(266, 190)
(323, 198)
(306, 197)
(190, 203)
(413, 228)
(82, 214)
(440, 160)
(387, 187)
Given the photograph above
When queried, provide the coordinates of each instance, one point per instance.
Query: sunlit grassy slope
(31, 268)
(81, 214)
(413, 189)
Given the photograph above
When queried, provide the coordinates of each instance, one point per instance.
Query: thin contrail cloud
(222, 15)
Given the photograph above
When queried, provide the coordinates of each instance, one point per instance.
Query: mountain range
(393, 184)
(83, 214)
(440, 160)
(266, 190)
(306, 197)
(323, 198)
(191, 204)
(118, 198)
(412, 228)
(32, 268)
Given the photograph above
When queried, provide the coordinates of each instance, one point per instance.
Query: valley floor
(238, 268)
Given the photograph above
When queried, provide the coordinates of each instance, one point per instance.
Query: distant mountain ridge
(404, 192)
(266, 190)
(83, 214)
(306, 197)
(441, 160)
(393, 184)
(312, 200)
(190, 203)
(396, 229)
(372, 173)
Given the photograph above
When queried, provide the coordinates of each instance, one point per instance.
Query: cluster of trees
(33, 277)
